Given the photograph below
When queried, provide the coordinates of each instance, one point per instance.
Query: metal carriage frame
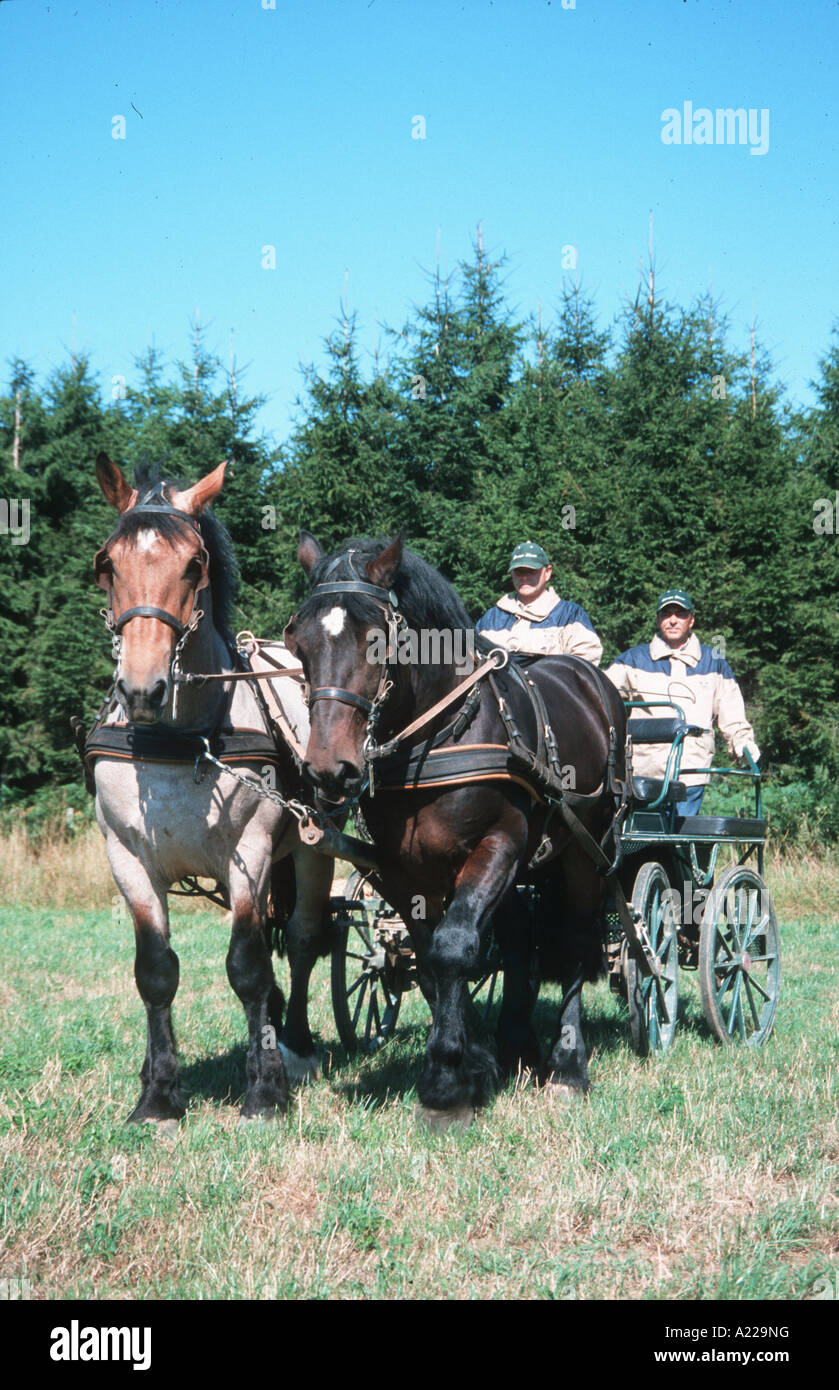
(722, 925)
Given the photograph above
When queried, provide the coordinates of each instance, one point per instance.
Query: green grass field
(707, 1173)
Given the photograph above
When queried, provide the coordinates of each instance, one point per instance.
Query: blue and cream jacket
(550, 626)
(701, 683)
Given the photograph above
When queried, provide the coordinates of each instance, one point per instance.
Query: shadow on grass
(393, 1070)
(387, 1075)
(219, 1078)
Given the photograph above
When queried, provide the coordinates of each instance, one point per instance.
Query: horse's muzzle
(143, 706)
(344, 780)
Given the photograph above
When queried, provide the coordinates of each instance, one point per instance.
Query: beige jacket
(702, 684)
(550, 626)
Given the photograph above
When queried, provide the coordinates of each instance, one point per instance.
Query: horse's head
(152, 568)
(343, 637)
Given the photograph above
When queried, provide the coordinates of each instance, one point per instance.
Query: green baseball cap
(528, 556)
(678, 596)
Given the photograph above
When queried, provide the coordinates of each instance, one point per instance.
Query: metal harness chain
(298, 809)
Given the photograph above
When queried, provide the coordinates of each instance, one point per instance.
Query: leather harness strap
(145, 611)
(271, 707)
(386, 749)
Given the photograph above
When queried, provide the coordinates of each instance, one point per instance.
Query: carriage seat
(650, 788)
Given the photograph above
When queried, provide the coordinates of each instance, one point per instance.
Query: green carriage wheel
(739, 958)
(365, 999)
(654, 1001)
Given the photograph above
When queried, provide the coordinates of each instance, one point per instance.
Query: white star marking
(333, 621)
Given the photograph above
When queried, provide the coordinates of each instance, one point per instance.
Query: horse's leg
(574, 952)
(156, 971)
(251, 974)
(576, 909)
(518, 1047)
(459, 1073)
(567, 1066)
(308, 938)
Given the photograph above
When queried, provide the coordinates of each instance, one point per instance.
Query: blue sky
(292, 127)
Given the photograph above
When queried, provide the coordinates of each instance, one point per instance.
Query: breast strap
(136, 743)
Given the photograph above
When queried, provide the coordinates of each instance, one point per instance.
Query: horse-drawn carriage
(458, 769)
(721, 925)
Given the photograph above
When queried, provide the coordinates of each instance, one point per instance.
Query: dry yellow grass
(61, 873)
(57, 872)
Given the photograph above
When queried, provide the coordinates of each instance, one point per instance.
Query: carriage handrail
(672, 773)
(752, 771)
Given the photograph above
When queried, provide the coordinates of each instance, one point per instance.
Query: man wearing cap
(677, 666)
(534, 618)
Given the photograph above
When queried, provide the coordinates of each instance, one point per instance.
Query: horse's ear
(113, 484)
(309, 551)
(383, 570)
(202, 493)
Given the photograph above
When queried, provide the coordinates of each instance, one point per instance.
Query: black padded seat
(724, 827)
(649, 789)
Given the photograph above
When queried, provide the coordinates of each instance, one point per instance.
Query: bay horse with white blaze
(458, 840)
(169, 572)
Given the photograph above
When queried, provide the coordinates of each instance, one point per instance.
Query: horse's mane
(425, 598)
(152, 486)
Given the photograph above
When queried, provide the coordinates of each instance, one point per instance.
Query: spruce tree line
(642, 456)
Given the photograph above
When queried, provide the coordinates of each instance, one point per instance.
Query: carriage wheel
(654, 1001)
(365, 1000)
(739, 958)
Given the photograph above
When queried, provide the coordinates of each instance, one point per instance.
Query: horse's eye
(193, 569)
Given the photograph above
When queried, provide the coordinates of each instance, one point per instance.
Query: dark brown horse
(451, 855)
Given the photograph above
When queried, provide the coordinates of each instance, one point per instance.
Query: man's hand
(749, 747)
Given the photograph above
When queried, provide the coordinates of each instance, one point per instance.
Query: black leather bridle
(386, 600)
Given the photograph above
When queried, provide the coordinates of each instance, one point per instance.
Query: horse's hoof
(164, 1129)
(562, 1092)
(259, 1117)
(437, 1121)
(299, 1069)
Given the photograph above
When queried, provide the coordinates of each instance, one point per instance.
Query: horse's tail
(280, 902)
